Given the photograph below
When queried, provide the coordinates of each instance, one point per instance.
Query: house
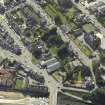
(98, 8)
(81, 19)
(77, 32)
(89, 84)
(64, 4)
(100, 11)
(93, 41)
(76, 63)
(6, 78)
(51, 65)
(36, 76)
(6, 42)
(12, 3)
(2, 9)
(38, 90)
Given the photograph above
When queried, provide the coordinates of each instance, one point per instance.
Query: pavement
(25, 101)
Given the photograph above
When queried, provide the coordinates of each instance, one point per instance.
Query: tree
(76, 1)
(102, 55)
(37, 53)
(95, 64)
(52, 32)
(57, 20)
(63, 52)
(55, 40)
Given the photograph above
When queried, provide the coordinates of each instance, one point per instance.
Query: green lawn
(79, 79)
(34, 60)
(57, 76)
(19, 84)
(70, 13)
(53, 11)
(81, 45)
(88, 28)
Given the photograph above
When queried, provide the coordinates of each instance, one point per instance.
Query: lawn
(50, 10)
(70, 13)
(88, 28)
(53, 11)
(54, 50)
(81, 46)
(19, 84)
(34, 60)
(57, 76)
(79, 78)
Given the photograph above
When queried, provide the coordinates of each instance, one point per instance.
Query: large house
(50, 65)
(63, 4)
(98, 8)
(6, 78)
(93, 41)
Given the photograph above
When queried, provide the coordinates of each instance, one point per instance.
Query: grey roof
(53, 67)
(51, 61)
(52, 64)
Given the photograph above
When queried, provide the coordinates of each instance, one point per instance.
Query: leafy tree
(95, 64)
(58, 20)
(51, 32)
(55, 41)
(63, 52)
(76, 1)
(102, 55)
(37, 53)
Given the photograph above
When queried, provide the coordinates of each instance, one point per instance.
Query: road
(75, 97)
(75, 89)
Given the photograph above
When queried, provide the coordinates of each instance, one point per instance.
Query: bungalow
(51, 65)
(93, 41)
(78, 32)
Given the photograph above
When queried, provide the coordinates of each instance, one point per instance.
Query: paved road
(75, 89)
(75, 97)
